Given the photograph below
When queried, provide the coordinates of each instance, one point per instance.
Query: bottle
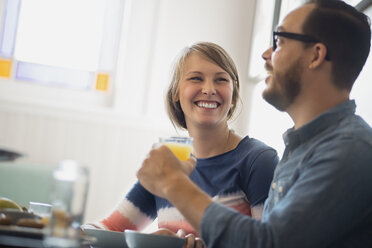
(70, 189)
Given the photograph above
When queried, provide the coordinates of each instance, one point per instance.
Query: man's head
(323, 37)
(346, 33)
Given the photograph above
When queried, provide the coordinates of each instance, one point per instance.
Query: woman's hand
(191, 240)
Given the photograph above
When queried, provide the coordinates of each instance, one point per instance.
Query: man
(321, 194)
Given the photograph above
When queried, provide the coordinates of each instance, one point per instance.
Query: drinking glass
(43, 210)
(180, 146)
(71, 183)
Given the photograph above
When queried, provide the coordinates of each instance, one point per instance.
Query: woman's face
(205, 92)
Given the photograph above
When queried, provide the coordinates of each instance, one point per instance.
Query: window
(266, 123)
(261, 37)
(69, 44)
(362, 90)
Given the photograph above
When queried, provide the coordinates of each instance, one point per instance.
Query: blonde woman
(236, 171)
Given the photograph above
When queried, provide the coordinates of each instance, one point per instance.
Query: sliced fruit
(7, 203)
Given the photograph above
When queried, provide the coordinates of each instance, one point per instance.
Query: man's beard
(285, 87)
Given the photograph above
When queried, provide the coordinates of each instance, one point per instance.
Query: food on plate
(28, 222)
(45, 220)
(4, 219)
(11, 213)
(6, 203)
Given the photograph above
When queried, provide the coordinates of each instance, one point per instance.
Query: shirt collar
(293, 138)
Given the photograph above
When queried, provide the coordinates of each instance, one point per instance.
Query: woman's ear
(176, 98)
(319, 53)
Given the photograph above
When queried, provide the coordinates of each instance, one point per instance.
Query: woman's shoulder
(254, 145)
(256, 151)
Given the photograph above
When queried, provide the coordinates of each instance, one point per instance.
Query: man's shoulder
(356, 129)
(348, 142)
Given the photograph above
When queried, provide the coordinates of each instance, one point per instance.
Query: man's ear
(319, 54)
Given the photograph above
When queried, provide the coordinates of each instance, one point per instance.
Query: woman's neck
(210, 142)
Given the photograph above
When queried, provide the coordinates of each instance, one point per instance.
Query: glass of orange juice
(180, 146)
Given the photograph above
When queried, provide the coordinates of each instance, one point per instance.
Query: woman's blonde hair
(213, 53)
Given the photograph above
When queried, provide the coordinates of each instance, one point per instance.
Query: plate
(106, 238)
(15, 215)
(19, 231)
(145, 240)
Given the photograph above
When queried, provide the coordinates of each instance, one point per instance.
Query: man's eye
(278, 40)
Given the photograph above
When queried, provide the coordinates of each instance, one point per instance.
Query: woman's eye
(222, 80)
(195, 79)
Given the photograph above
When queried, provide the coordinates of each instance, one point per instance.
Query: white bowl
(144, 240)
(105, 238)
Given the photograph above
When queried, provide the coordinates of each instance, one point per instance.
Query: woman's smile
(207, 104)
(205, 92)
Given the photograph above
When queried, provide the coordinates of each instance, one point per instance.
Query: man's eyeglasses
(294, 36)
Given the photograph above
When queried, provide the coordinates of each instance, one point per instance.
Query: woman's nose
(208, 88)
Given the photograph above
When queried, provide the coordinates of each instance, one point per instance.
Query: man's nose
(267, 54)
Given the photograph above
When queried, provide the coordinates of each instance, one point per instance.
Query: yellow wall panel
(102, 82)
(5, 68)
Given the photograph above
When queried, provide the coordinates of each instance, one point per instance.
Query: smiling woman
(236, 171)
(213, 69)
(216, 88)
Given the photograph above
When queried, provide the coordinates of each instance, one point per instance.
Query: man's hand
(162, 170)
(166, 176)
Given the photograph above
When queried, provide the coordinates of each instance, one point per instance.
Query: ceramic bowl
(144, 240)
(105, 238)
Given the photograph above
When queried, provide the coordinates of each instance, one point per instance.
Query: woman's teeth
(207, 105)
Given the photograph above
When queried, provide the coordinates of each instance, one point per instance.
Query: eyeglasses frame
(295, 36)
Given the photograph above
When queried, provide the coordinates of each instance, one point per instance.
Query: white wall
(113, 139)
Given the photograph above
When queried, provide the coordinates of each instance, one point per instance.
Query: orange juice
(180, 146)
(182, 151)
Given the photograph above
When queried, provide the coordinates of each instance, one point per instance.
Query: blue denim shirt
(321, 194)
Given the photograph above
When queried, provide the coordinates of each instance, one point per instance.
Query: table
(16, 241)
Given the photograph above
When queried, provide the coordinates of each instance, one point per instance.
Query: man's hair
(347, 35)
(216, 55)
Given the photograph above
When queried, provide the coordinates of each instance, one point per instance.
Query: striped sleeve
(134, 212)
